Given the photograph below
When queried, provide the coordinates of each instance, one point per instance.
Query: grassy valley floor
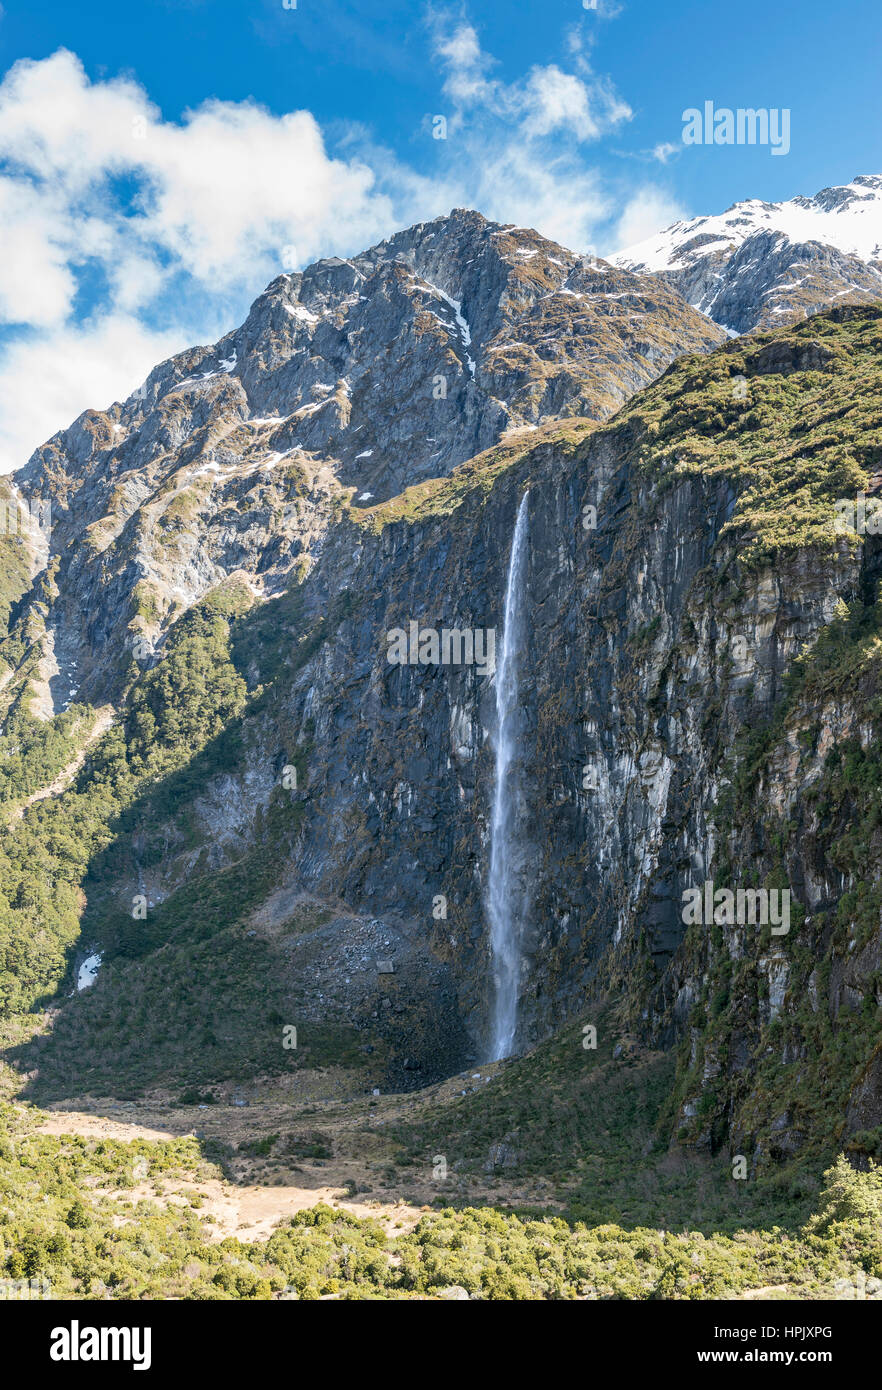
(541, 1178)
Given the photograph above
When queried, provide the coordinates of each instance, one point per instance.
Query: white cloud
(555, 196)
(548, 101)
(236, 184)
(48, 379)
(604, 9)
(36, 282)
(664, 151)
(460, 52)
(646, 212)
(221, 193)
(556, 100)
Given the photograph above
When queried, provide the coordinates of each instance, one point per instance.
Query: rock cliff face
(346, 383)
(698, 696)
(760, 265)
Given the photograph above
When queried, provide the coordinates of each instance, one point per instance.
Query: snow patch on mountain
(848, 218)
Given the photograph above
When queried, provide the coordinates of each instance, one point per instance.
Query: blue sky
(160, 162)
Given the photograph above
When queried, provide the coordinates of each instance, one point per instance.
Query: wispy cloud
(520, 145)
(665, 151)
(548, 100)
(646, 211)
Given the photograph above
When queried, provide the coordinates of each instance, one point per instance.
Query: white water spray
(506, 899)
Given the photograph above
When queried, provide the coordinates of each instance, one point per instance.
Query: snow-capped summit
(759, 263)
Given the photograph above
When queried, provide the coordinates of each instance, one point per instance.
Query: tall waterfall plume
(506, 896)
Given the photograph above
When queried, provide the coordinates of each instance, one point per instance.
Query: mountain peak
(759, 263)
(348, 382)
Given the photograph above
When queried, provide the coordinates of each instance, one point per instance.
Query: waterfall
(506, 899)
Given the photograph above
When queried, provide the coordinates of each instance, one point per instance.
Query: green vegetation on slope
(15, 568)
(587, 1122)
(439, 497)
(806, 431)
(33, 751)
(174, 712)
